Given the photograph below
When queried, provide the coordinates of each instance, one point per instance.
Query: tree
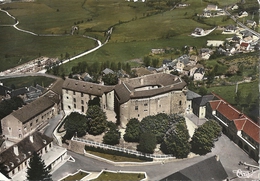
(97, 120)
(112, 136)
(95, 101)
(204, 137)
(176, 141)
(155, 62)
(147, 61)
(157, 124)
(37, 169)
(75, 122)
(147, 143)
(110, 79)
(132, 131)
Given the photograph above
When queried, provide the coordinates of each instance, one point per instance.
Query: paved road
(48, 130)
(229, 153)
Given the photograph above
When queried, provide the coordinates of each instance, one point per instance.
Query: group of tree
(96, 67)
(148, 61)
(171, 132)
(94, 122)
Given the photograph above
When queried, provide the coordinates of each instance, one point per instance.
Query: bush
(117, 153)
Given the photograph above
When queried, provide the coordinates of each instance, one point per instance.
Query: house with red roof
(237, 126)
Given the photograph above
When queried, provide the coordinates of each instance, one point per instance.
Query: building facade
(237, 126)
(24, 121)
(77, 94)
(149, 95)
(16, 158)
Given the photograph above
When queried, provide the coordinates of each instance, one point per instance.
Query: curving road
(67, 60)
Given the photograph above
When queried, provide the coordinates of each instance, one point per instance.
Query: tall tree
(132, 131)
(176, 141)
(110, 79)
(37, 169)
(75, 122)
(204, 137)
(97, 120)
(147, 143)
(112, 136)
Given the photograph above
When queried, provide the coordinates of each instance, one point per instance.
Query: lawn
(138, 28)
(77, 176)
(228, 92)
(28, 81)
(106, 176)
(115, 158)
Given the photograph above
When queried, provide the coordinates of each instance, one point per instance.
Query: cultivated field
(138, 28)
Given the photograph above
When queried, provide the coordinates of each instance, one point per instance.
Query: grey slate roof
(25, 150)
(191, 95)
(86, 87)
(17, 92)
(208, 169)
(33, 109)
(202, 101)
(107, 71)
(165, 83)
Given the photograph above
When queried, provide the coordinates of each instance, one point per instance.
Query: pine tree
(37, 169)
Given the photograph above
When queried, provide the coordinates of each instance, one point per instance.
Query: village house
(198, 31)
(199, 105)
(244, 47)
(205, 53)
(15, 159)
(190, 96)
(211, 7)
(230, 29)
(149, 95)
(250, 23)
(199, 74)
(237, 126)
(242, 14)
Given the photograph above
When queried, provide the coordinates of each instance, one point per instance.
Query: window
(30, 124)
(69, 107)
(136, 107)
(145, 104)
(74, 99)
(75, 106)
(82, 108)
(82, 102)
(179, 103)
(67, 97)
(36, 120)
(74, 93)
(82, 94)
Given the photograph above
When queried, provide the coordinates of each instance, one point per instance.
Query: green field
(138, 27)
(106, 176)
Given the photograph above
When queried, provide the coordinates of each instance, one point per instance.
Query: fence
(110, 147)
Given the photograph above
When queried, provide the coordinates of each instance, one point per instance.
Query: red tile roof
(239, 123)
(228, 111)
(243, 44)
(214, 104)
(252, 130)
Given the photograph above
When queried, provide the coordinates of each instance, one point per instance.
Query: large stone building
(24, 121)
(15, 159)
(76, 94)
(131, 98)
(149, 95)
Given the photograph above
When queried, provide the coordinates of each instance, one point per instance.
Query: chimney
(31, 138)
(16, 151)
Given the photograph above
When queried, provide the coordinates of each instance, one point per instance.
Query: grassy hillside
(138, 28)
